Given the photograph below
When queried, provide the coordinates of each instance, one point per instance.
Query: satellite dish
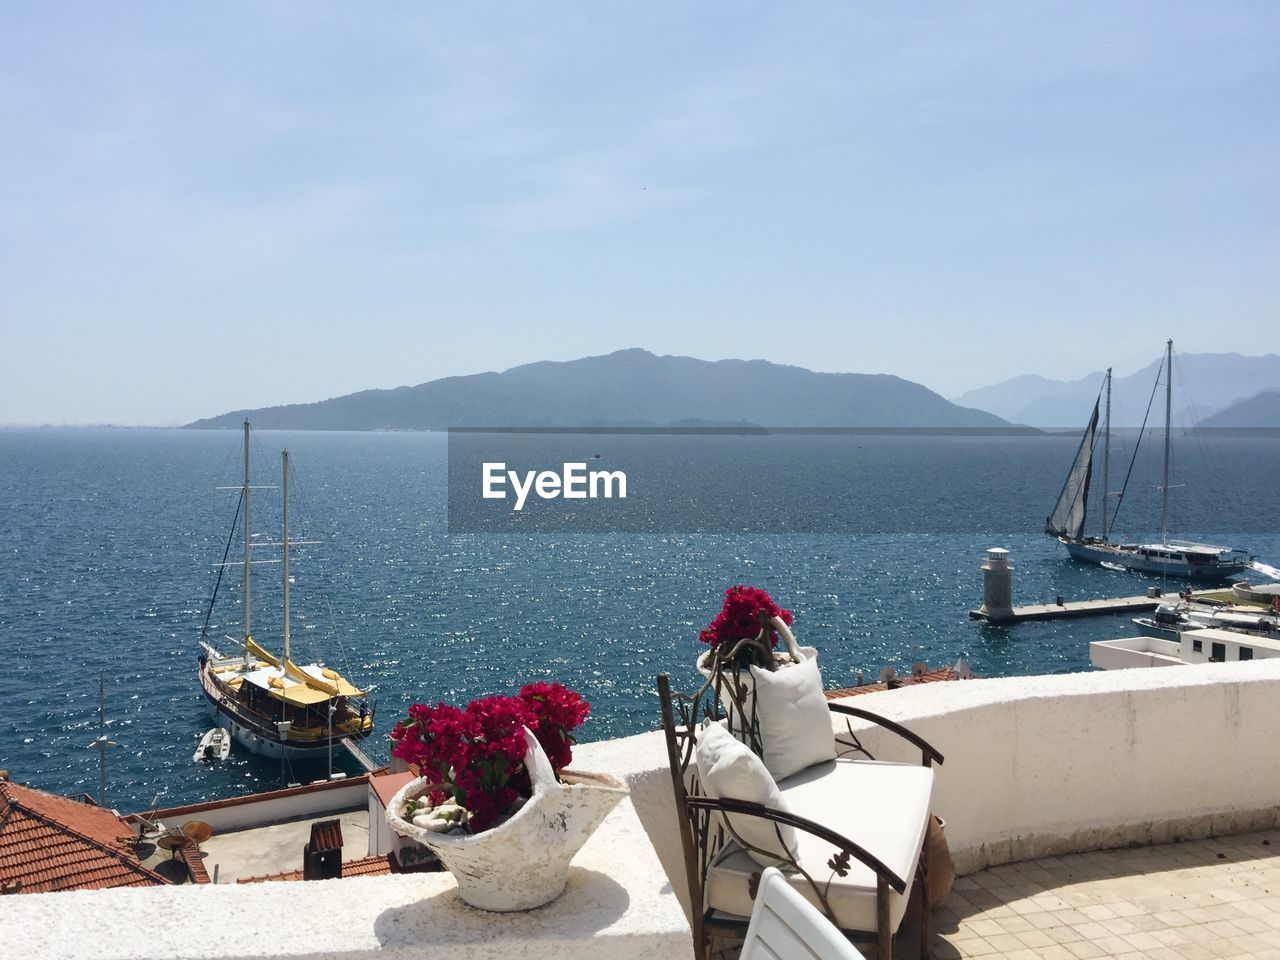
(918, 669)
(887, 674)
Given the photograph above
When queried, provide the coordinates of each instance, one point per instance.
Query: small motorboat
(214, 745)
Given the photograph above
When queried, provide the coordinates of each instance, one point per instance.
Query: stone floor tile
(1098, 911)
(1085, 950)
(1119, 925)
(1169, 936)
(1091, 931)
(1035, 939)
(1123, 908)
(1005, 943)
(1063, 934)
(983, 928)
(1173, 918)
(973, 947)
(1114, 946)
(1140, 940)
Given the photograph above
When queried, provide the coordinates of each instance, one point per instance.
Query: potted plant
(494, 801)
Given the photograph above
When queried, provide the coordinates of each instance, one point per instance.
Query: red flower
(739, 618)
(554, 710)
(477, 754)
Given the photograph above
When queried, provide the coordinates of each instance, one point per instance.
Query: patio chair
(859, 824)
(785, 924)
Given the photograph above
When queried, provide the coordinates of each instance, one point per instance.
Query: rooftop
(273, 851)
(50, 843)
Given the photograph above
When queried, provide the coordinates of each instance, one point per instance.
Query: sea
(112, 538)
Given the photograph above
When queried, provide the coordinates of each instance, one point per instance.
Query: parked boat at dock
(270, 704)
(1171, 619)
(1174, 558)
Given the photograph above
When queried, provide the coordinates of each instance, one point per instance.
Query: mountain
(631, 387)
(1203, 383)
(1260, 410)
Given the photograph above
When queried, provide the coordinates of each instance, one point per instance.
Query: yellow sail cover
(252, 646)
(334, 684)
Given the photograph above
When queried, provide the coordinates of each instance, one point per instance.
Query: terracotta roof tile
(933, 676)
(50, 843)
(365, 867)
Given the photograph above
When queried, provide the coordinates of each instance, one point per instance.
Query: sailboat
(1174, 558)
(270, 704)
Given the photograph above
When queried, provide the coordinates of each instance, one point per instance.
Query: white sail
(1067, 519)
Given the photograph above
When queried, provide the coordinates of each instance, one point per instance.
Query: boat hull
(1133, 559)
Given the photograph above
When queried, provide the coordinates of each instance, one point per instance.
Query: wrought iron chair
(706, 835)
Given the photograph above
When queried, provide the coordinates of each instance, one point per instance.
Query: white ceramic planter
(524, 862)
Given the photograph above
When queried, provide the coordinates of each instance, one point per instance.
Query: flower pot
(522, 862)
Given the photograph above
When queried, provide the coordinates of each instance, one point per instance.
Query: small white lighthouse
(997, 585)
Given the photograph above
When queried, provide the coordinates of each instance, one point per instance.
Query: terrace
(1124, 813)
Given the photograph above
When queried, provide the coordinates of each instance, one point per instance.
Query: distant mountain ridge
(1260, 410)
(1203, 383)
(629, 387)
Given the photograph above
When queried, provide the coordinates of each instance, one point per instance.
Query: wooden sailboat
(1175, 558)
(270, 704)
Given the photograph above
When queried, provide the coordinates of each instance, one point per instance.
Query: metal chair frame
(704, 830)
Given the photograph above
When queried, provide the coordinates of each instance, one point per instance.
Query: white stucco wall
(1043, 765)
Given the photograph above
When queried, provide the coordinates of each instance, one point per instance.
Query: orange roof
(51, 843)
(933, 676)
(365, 867)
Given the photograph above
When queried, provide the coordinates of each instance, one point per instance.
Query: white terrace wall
(1043, 765)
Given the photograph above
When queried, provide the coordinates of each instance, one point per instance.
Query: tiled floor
(1213, 899)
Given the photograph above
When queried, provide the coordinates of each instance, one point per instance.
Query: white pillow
(795, 724)
(728, 770)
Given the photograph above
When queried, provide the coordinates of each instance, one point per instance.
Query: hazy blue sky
(211, 206)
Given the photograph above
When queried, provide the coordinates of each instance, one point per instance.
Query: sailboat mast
(1106, 459)
(247, 545)
(1168, 417)
(284, 544)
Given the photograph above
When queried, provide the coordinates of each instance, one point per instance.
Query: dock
(360, 756)
(1069, 608)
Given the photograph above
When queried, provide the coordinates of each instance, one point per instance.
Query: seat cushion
(882, 807)
(728, 770)
(795, 721)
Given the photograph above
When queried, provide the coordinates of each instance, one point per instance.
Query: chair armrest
(929, 755)
(741, 807)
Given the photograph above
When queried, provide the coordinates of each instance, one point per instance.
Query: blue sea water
(109, 538)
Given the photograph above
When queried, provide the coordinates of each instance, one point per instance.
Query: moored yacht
(1173, 558)
(270, 704)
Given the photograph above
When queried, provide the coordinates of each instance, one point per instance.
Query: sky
(208, 207)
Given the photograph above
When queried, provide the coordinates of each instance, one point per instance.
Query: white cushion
(882, 807)
(795, 723)
(728, 770)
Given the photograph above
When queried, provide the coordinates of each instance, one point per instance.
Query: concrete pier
(1068, 608)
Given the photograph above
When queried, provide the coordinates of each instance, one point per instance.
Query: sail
(1067, 519)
